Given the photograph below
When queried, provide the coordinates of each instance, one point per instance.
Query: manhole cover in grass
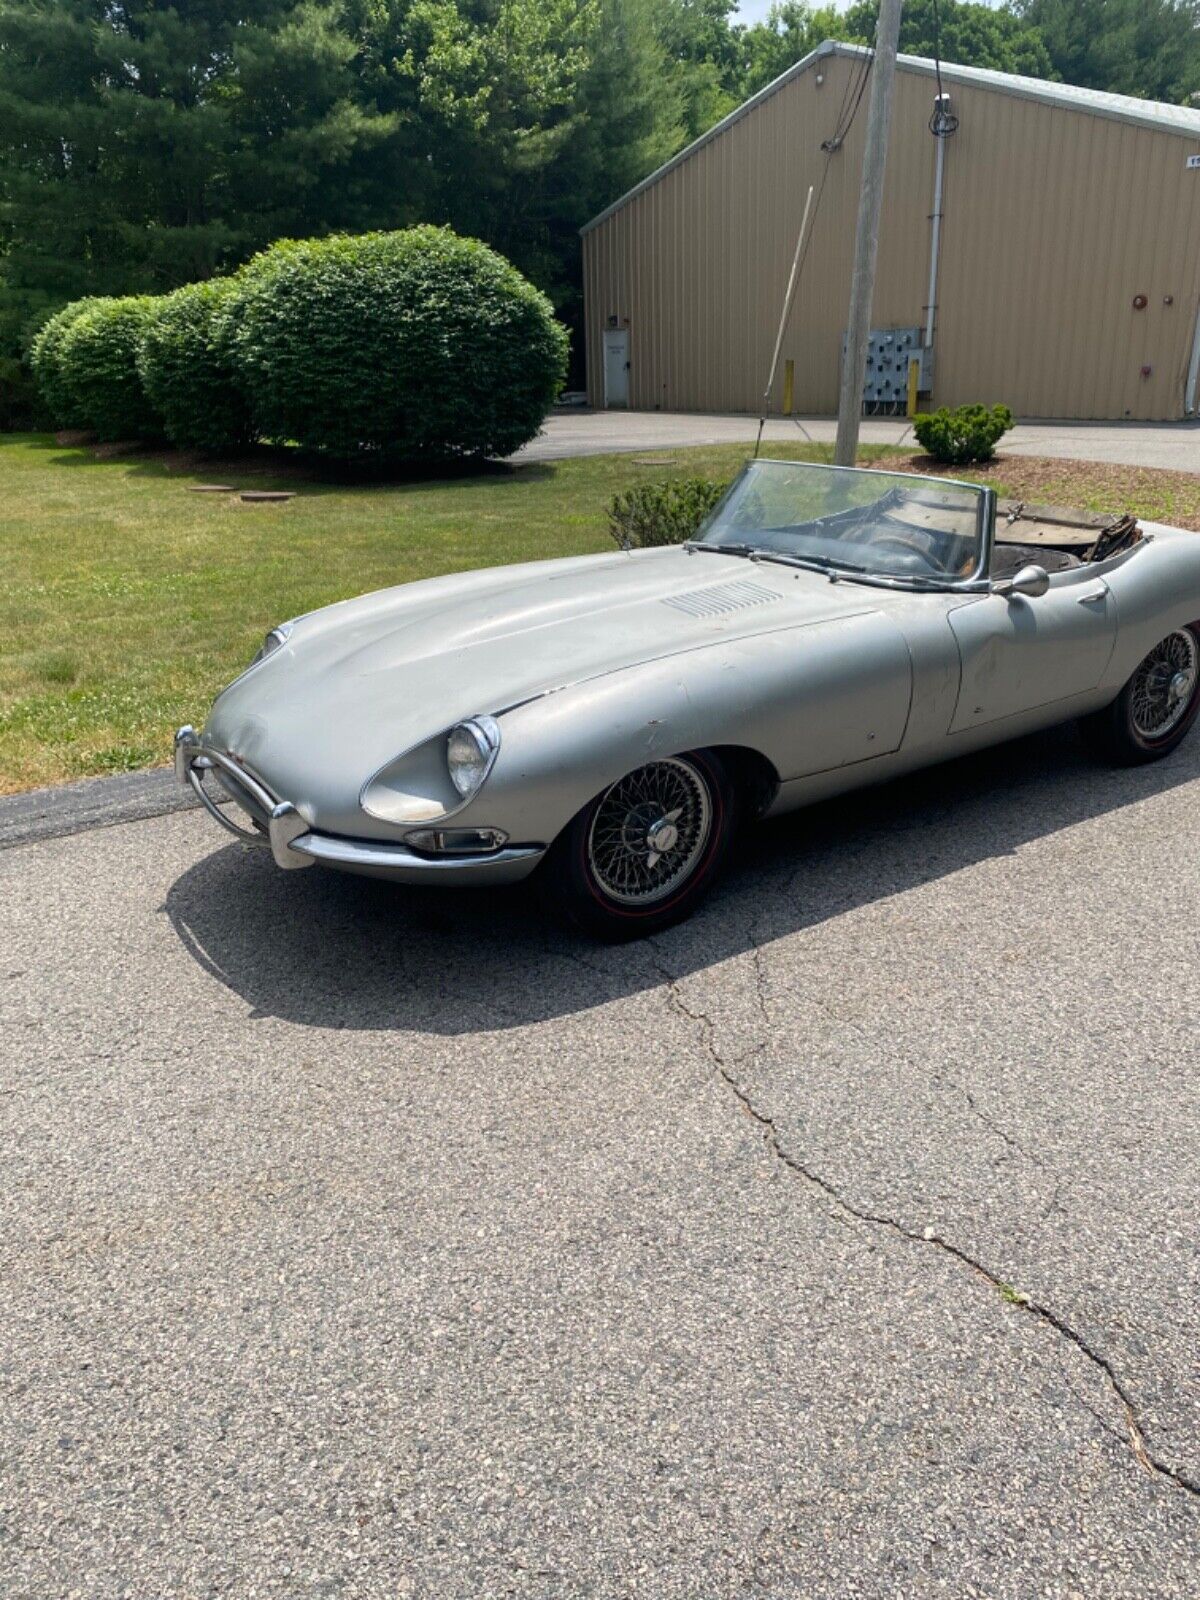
(267, 494)
(210, 488)
(654, 461)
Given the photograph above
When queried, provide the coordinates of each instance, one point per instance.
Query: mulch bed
(1151, 492)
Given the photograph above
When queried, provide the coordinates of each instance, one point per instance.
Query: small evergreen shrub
(99, 372)
(45, 360)
(187, 372)
(662, 513)
(966, 434)
(414, 346)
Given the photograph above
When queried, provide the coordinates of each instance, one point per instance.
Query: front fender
(808, 699)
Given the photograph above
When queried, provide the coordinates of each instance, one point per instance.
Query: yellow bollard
(789, 386)
(914, 378)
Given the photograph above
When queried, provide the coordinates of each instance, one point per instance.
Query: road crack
(927, 1238)
(758, 956)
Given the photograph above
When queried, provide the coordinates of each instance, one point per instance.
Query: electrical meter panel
(888, 354)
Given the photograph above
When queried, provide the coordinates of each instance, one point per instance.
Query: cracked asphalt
(358, 1242)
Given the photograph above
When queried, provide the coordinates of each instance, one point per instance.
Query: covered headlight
(277, 637)
(470, 750)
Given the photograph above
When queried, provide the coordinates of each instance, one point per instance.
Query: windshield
(886, 524)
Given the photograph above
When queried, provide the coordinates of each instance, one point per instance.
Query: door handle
(1090, 598)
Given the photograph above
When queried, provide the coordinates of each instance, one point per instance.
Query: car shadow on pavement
(327, 950)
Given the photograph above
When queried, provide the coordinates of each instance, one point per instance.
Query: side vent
(722, 597)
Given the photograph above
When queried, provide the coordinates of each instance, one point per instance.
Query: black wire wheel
(1158, 705)
(648, 832)
(1162, 687)
(646, 850)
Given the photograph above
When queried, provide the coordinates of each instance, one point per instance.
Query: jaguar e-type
(609, 720)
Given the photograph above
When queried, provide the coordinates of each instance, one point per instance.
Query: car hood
(381, 673)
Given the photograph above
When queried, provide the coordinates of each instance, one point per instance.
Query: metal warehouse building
(1065, 282)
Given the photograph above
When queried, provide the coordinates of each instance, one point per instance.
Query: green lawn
(126, 602)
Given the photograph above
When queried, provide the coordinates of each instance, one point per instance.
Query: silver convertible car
(608, 720)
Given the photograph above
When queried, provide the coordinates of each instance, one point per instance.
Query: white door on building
(616, 366)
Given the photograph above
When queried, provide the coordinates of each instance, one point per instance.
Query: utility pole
(866, 238)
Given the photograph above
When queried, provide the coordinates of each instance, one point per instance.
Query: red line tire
(604, 874)
(1145, 723)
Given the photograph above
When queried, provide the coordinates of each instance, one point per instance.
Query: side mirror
(1031, 581)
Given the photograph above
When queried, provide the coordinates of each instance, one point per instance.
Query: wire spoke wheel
(649, 831)
(1163, 686)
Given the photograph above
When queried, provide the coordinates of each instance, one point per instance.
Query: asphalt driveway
(1174, 445)
(841, 1243)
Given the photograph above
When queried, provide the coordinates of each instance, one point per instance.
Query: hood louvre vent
(722, 597)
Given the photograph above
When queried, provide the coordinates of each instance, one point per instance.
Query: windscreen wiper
(809, 563)
(722, 549)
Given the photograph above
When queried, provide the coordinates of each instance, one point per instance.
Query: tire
(603, 873)
(1154, 711)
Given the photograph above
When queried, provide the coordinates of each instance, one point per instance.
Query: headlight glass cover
(471, 748)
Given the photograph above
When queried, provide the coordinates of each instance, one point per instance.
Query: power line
(852, 95)
(943, 122)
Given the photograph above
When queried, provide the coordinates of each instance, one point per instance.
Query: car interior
(915, 527)
(1056, 540)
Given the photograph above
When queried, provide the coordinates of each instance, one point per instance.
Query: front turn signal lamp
(456, 841)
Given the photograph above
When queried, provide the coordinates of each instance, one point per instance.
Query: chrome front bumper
(277, 825)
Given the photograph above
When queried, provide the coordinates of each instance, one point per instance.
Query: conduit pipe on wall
(1193, 372)
(941, 108)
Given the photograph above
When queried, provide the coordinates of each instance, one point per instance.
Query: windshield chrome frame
(985, 524)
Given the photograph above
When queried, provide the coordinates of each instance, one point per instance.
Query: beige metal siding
(1054, 220)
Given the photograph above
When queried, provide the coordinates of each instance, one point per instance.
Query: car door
(1022, 652)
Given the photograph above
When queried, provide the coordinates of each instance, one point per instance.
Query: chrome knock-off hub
(663, 836)
(1179, 687)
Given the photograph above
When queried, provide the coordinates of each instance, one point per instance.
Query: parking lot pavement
(840, 1243)
(582, 433)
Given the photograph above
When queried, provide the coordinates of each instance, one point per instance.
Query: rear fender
(1156, 586)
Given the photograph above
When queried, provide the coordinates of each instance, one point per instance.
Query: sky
(753, 10)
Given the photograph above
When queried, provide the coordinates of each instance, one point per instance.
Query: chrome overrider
(277, 824)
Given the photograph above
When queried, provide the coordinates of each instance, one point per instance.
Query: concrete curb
(90, 803)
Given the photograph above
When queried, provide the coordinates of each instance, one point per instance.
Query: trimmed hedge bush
(45, 359)
(99, 374)
(187, 372)
(411, 346)
(964, 435)
(662, 513)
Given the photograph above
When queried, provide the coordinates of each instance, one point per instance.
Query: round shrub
(45, 360)
(964, 435)
(411, 346)
(99, 372)
(187, 373)
(662, 513)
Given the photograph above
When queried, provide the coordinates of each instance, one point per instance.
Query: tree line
(145, 144)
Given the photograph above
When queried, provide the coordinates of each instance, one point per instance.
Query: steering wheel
(897, 541)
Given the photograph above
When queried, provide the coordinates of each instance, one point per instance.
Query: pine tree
(143, 147)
